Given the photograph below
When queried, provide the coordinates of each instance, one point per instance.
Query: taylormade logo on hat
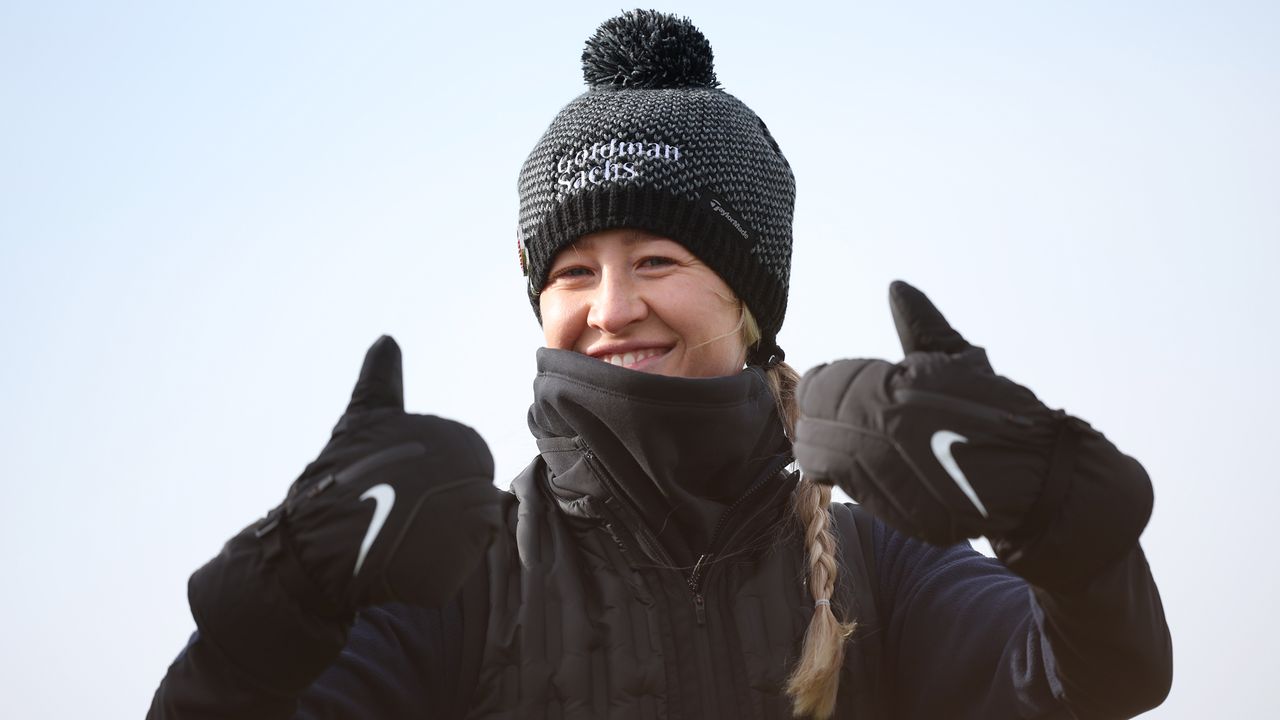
(606, 162)
(718, 206)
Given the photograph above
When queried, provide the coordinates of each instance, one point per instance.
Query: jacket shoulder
(854, 529)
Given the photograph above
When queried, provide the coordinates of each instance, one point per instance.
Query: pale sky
(209, 210)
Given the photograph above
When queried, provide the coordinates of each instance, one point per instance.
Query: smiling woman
(662, 556)
(645, 303)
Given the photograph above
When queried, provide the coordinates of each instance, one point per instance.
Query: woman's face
(643, 302)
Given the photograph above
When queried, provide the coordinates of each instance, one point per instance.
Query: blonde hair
(816, 677)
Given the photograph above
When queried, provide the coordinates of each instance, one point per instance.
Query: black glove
(397, 507)
(942, 448)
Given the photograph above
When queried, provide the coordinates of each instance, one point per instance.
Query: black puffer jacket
(652, 569)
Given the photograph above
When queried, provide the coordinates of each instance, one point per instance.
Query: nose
(616, 303)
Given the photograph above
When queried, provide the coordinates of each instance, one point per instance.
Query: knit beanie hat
(655, 144)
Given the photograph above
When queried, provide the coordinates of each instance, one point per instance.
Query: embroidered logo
(725, 209)
(721, 207)
(614, 161)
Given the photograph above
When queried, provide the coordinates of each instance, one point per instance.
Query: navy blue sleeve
(967, 638)
(961, 636)
(1112, 651)
(399, 661)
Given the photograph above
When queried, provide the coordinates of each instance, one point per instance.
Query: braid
(816, 676)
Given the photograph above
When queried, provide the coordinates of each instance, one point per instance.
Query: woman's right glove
(397, 507)
(942, 448)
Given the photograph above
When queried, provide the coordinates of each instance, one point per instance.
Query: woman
(659, 558)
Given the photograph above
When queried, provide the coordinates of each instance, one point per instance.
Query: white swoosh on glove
(941, 443)
(384, 497)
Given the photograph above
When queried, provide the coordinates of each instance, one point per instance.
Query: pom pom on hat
(655, 144)
(648, 49)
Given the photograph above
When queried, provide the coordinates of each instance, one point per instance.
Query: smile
(633, 357)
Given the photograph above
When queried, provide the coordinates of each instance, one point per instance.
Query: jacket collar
(671, 454)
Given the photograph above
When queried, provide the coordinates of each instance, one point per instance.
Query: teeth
(628, 359)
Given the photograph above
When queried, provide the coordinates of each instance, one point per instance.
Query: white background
(209, 210)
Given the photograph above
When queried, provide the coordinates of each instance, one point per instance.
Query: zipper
(962, 407)
(724, 516)
(696, 574)
(700, 568)
(693, 581)
(622, 546)
(642, 534)
(652, 545)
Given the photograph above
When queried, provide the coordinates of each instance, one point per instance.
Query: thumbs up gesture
(397, 507)
(942, 448)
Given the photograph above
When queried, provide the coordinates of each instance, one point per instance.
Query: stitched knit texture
(655, 145)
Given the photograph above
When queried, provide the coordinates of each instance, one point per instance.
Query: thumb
(381, 383)
(921, 328)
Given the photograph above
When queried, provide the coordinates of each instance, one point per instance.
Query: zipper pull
(695, 575)
(700, 609)
(614, 534)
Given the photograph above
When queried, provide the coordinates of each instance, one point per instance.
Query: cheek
(701, 311)
(562, 320)
(709, 323)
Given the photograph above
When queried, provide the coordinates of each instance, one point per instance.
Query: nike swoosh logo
(941, 443)
(384, 497)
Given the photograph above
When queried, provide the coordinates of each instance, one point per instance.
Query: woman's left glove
(398, 507)
(942, 448)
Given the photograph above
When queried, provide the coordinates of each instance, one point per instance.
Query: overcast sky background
(209, 210)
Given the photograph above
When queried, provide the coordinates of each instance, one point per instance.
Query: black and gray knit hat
(655, 144)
